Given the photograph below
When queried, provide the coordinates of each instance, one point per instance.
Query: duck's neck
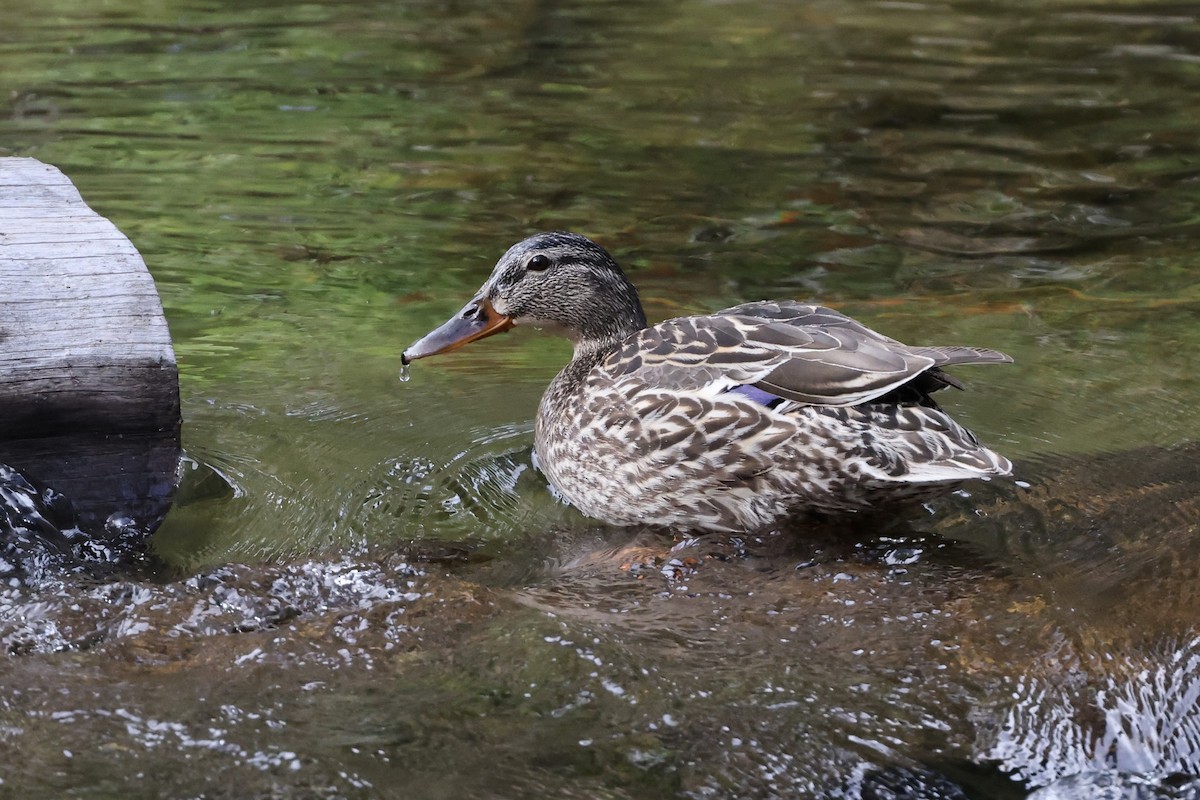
(593, 351)
(595, 337)
(563, 391)
(610, 317)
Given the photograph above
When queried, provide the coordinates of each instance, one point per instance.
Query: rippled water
(367, 590)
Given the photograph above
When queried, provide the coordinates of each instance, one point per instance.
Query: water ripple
(1079, 712)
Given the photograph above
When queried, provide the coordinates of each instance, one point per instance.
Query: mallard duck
(728, 421)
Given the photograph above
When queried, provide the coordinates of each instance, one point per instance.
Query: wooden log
(89, 388)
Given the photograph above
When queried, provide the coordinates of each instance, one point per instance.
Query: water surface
(367, 590)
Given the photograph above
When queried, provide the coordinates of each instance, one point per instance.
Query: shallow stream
(366, 590)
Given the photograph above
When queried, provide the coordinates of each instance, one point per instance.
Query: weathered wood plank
(82, 332)
(89, 388)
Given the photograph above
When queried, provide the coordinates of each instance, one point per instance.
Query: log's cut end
(89, 388)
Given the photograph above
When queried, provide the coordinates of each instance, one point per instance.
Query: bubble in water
(404, 376)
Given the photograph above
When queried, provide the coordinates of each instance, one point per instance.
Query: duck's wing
(795, 351)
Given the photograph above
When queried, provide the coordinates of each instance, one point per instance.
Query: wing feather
(949, 355)
(797, 351)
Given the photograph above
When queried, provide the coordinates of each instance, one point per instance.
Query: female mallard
(726, 421)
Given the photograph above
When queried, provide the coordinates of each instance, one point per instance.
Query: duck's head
(561, 281)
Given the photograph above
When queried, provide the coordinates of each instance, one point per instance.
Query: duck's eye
(538, 263)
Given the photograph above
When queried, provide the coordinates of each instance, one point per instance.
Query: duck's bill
(478, 319)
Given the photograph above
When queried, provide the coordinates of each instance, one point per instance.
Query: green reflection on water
(314, 186)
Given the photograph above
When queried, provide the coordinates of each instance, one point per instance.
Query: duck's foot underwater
(883, 540)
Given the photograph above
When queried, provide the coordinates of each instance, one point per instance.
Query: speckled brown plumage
(728, 421)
